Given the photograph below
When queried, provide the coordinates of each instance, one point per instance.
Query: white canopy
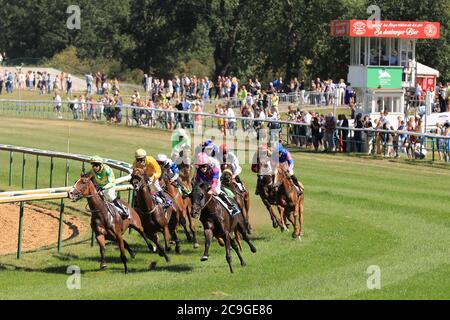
(423, 70)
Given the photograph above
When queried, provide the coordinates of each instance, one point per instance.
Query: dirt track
(40, 227)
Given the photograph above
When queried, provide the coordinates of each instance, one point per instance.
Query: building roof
(424, 70)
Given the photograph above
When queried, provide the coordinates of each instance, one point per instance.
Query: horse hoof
(152, 265)
(103, 266)
(133, 255)
(253, 250)
(204, 258)
(167, 259)
(243, 264)
(274, 224)
(300, 238)
(196, 245)
(154, 249)
(178, 250)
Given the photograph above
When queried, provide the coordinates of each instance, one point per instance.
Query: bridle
(206, 203)
(78, 194)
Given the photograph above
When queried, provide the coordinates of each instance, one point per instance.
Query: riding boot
(166, 202)
(124, 213)
(296, 182)
(231, 206)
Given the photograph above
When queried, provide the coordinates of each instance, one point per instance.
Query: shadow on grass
(118, 267)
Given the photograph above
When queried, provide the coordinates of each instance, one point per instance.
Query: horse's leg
(183, 224)
(226, 237)
(174, 235)
(166, 235)
(246, 238)
(208, 238)
(130, 251)
(283, 225)
(192, 228)
(161, 252)
(141, 232)
(101, 242)
(247, 209)
(301, 211)
(120, 241)
(238, 252)
(275, 222)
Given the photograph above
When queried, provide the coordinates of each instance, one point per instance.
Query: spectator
(275, 127)
(69, 85)
(370, 135)
(330, 128)
(231, 120)
(316, 132)
(2, 80)
(89, 83)
(58, 105)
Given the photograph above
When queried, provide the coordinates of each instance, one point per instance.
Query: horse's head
(280, 176)
(227, 176)
(81, 188)
(138, 179)
(199, 197)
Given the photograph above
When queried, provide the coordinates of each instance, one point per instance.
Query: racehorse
(155, 219)
(268, 196)
(242, 197)
(106, 221)
(290, 201)
(218, 222)
(182, 204)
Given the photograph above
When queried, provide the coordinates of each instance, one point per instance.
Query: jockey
(210, 148)
(104, 179)
(209, 172)
(262, 164)
(180, 143)
(285, 159)
(229, 158)
(165, 162)
(153, 172)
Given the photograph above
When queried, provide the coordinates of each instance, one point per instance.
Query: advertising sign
(386, 29)
(384, 77)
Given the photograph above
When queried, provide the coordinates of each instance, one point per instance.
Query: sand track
(40, 227)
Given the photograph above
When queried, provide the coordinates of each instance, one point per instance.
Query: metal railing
(289, 132)
(50, 193)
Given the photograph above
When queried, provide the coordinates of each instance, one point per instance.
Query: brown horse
(268, 196)
(290, 202)
(155, 219)
(242, 197)
(182, 205)
(218, 222)
(107, 224)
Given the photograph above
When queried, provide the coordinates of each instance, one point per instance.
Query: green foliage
(242, 38)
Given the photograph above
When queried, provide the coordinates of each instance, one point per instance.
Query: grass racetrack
(358, 212)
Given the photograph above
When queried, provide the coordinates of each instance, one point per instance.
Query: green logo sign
(384, 77)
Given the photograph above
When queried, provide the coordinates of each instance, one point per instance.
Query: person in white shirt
(231, 120)
(58, 103)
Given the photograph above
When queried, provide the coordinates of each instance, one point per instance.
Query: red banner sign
(386, 29)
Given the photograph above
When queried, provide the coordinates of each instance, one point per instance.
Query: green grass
(359, 212)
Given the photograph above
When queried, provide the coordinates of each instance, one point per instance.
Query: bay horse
(218, 222)
(242, 197)
(290, 201)
(184, 165)
(268, 196)
(107, 224)
(182, 205)
(154, 218)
